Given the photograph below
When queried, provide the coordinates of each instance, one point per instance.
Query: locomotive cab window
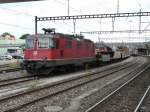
(29, 43)
(43, 42)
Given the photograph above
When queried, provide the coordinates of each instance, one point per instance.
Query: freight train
(50, 51)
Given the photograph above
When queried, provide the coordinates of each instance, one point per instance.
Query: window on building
(11, 50)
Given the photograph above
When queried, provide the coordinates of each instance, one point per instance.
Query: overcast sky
(18, 18)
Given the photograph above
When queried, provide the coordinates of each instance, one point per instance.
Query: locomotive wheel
(45, 71)
(30, 71)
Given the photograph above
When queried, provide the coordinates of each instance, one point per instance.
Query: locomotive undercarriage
(47, 67)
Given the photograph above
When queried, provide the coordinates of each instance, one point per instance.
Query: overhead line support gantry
(92, 16)
(117, 31)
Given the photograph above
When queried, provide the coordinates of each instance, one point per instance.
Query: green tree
(24, 36)
(23, 47)
(7, 33)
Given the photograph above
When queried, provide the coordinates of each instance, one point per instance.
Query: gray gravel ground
(127, 98)
(11, 75)
(50, 79)
(60, 100)
(63, 100)
(17, 85)
(145, 106)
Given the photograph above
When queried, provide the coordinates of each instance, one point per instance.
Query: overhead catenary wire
(58, 1)
(17, 12)
(76, 10)
(147, 3)
(80, 10)
(148, 6)
(13, 25)
(139, 4)
(64, 4)
(141, 8)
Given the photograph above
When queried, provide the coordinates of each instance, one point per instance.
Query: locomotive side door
(61, 47)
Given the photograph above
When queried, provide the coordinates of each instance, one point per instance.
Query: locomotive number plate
(35, 53)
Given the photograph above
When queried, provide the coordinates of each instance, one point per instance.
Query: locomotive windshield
(41, 42)
(29, 43)
(45, 43)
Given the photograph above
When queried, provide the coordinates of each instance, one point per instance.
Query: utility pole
(100, 33)
(140, 22)
(35, 24)
(113, 19)
(117, 6)
(68, 7)
(113, 24)
(129, 33)
(74, 26)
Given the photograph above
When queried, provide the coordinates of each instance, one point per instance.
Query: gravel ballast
(128, 97)
(63, 100)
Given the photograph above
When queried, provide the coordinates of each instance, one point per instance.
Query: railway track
(11, 67)
(15, 80)
(51, 90)
(126, 97)
(2, 66)
(144, 103)
(11, 81)
(8, 69)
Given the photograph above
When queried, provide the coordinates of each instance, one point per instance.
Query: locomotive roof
(68, 36)
(71, 36)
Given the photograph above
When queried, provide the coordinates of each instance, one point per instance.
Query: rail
(85, 79)
(115, 91)
(142, 99)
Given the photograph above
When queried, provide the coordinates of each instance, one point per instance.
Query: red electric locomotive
(49, 51)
